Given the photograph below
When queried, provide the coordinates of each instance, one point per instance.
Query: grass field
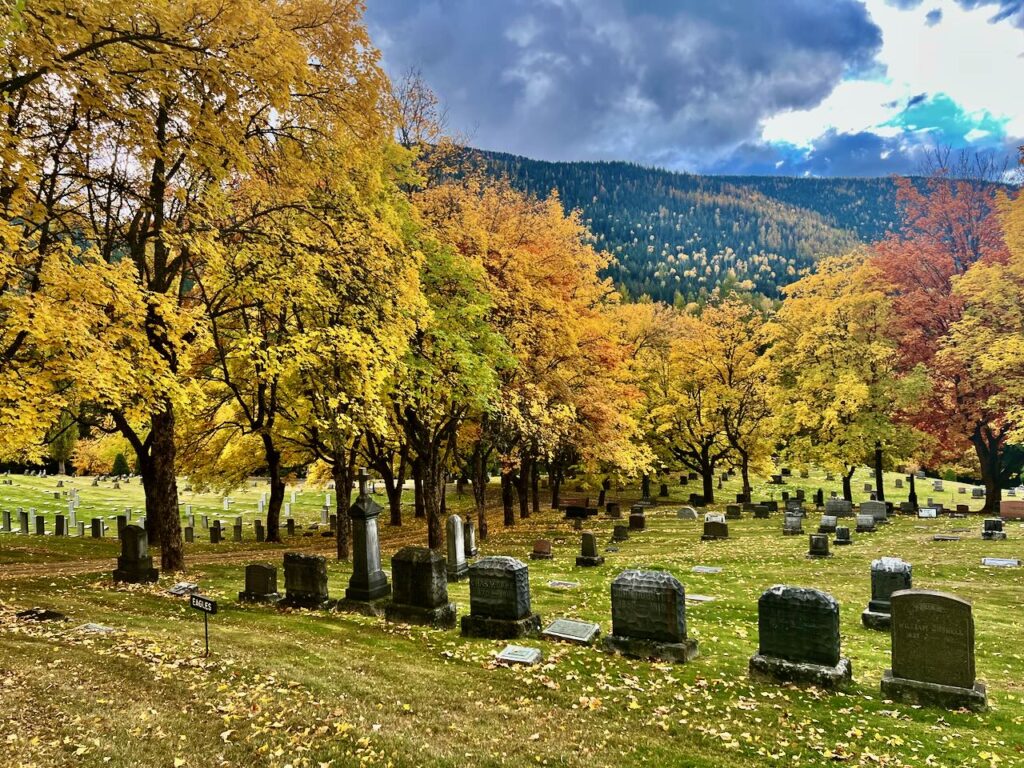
(319, 688)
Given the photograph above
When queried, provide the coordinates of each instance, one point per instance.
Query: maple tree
(835, 370)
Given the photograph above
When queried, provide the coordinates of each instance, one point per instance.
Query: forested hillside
(677, 236)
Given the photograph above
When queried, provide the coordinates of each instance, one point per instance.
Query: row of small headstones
(932, 633)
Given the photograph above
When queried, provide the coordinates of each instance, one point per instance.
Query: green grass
(309, 688)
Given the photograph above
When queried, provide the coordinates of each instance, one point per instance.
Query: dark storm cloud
(669, 82)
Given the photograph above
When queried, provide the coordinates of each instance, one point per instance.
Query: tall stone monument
(368, 582)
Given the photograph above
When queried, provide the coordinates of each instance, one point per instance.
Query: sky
(793, 87)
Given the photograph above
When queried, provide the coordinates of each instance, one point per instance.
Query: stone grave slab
(572, 631)
(519, 654)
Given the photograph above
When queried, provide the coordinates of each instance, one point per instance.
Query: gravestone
(888, 575)
(457, 567)
(1000, 562)
(865, 524)
(838, 507)
(962, 509)
(977, 493)
(6, 528)
(828, 524)
(804, 474)
(613, 510)
(572, 631)
(843, 537)
(686, 513)
(60, 525)
(817, 546)
(190, 535)
(81, 529)
(499, 600)
(261, 532)
(649, 617)
(305, 581)
(877, 509)
(519, 654)
(993, 529)
(542, 549)
(368, 582)
(927, 513)
(637, 520)
(663, 491)
(40, 525)
(798, 638)
(697, 499)
(469, 538)
(819, 498)
(134, 564)
(937, 486)
(260, 584)
(777, 480)
(420, 594)
(588, 551)
(733, 512)
(23, 521)
(899, 482)
(762, 512)
(933, 652)
(215, 532)
(236, 530)
(792, 525)
(290, 526)
(868, 487)
(620, 533)
(715, 530)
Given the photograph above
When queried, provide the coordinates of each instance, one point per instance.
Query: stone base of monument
(876, 619)
(365, 607)
(136, 575)
(712, 537)
(312, 603)
(820, 556)
(587, 562)
(457, 572)
(792, 532)
(993, 535)
(259, 597)
(500, 629)
(934, 694)
(784, 671)
(541, 556)
(638, 648)
(442, 617)
(842, 543)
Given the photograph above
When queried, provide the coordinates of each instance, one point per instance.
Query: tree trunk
(479, 481)
(989, 450)
(507, 497)
(555, 478)
(432, 486)
(341, 474)
(273, 458)
(161, 488)
(745, 472)
(913, 491)
(707, 474)
(523, 487)
(879, 477)
(420, 509)
(645, 488)
(60, 467)
(535, 489)
(847, 488)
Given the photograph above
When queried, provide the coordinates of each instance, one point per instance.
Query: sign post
(207, 606)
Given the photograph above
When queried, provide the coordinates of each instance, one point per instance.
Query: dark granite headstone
(134, 564)
(865, 524)
(260, 584)
(798, 633)
(469, 538)
(838, 507)
(843, 536)
(261, 532)
(499, 599)
(420, 581)
(733, 512)
(589, 556)
(818, 545)
(933, 651)
(305, 581)
(715, 530)
(620, 533)
(613, 510)
(888, 575)
(993, 529)
(40, 525)
(190, 535)
(828, 524)
(877, 509)
(792, 525)
(663, 491)
(215, 532)
(649, 617)
(637, 521)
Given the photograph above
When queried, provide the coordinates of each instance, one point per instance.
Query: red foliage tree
(950, 223)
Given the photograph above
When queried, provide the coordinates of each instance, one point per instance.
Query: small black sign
(204, 604)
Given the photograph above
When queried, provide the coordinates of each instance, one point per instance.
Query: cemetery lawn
(306, 688)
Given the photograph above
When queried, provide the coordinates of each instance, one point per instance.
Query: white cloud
(976, 63)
